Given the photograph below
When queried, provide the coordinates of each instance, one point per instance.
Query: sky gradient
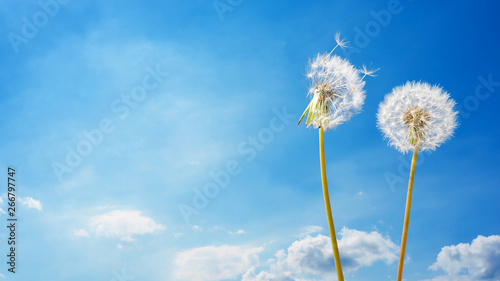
(157, 140)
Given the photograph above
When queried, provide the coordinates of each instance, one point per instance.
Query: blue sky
(160, 96)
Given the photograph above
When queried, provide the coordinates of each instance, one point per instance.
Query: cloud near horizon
(479, 260)
(215, 263)
(313, 256)
(308, 257)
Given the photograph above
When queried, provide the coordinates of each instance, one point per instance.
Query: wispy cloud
(81, 233)
(310, 229)
(123, 224)
(178, 234)
(215, 263)
(30, 203)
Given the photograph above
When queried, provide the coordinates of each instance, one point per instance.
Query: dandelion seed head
(337, 92)
(417, 115)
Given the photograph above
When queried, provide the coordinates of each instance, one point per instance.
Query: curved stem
(335, 247)
(407, 216)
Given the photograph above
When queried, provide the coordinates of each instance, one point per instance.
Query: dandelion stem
(335, 247)
(407, 215)
(332, 50)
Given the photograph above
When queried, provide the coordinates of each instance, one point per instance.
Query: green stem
(335, 247)
(407, 215)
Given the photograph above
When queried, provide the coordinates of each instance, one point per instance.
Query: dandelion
(336, 91)
(336, 87)
(416, 117)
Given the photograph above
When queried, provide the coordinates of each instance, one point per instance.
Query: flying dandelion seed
(341, 42)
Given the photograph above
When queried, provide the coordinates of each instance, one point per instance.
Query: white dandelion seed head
(336, 89)
(417, 115)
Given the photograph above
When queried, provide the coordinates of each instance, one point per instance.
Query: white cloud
(30, 203)
(479, 260)
(361, 248)
(313, 256)
(451, 278)
(123, 224)
(217, 227)
(310, 229)
(196, 228)
(215, 263)
(81, 233)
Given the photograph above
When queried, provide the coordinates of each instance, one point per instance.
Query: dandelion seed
(368, 72)
(342, 43)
